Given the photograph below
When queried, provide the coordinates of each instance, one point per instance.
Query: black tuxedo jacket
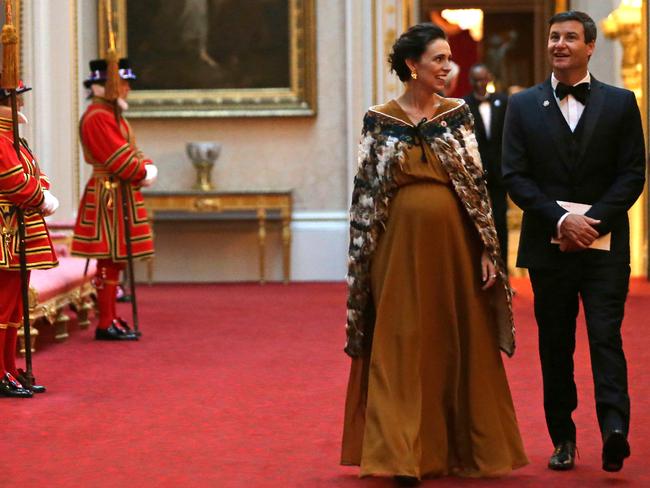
(490, 149)
(542, 163)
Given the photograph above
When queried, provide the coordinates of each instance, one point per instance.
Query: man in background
(120, 169)
(489, 111)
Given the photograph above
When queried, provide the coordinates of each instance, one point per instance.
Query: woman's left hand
(488, 271)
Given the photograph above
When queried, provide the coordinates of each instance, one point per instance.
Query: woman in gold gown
(429, 304)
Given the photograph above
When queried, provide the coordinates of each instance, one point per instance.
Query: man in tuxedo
(575, 139)
(489, 110)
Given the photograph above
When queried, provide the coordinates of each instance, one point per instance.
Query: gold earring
(414, 75)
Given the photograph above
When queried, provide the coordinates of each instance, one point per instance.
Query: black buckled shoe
(615, 450)
(563, 457)
(23, 381)
(120, 323)
(114, 333)
(10, 387)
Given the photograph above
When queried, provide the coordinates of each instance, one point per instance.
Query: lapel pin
(546, 103)
(497, 103)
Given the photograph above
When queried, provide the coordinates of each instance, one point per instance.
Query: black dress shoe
(114, 334)
(563, 457)
(406, 480)
(120, 323)
(23, 381)
(9, 387)
(615, 450)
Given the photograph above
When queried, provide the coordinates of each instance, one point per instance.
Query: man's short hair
(587, 22)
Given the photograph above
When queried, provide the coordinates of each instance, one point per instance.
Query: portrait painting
(217, 57)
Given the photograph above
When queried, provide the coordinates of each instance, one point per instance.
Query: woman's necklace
(421, 116)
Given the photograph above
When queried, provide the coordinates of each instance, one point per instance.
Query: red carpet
(243, 386)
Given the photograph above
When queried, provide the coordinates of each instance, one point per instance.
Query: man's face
(479, 78)
(567, 48)
(124, 88)
(20, 101)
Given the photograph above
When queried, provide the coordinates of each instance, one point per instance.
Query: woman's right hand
(488, 271)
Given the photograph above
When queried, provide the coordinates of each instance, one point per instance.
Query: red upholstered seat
(68, 275)
(53, 291)
(61, 235)
(60, 225)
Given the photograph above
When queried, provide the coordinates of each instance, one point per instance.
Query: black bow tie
(580, 92)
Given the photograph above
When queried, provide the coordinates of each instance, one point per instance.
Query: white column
(391, 18)
(49, 47)
(359, 63)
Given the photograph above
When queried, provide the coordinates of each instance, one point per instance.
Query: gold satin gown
(432, 399)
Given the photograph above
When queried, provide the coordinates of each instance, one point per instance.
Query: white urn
(203, 156)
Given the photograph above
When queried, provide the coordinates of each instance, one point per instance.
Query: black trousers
(603, 288)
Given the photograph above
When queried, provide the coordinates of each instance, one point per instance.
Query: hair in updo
(411, 45)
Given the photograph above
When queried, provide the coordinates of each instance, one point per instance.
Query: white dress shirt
(485, 110)
(570, 107)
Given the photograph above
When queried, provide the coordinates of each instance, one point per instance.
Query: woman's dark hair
(586, 21)
(411, 45)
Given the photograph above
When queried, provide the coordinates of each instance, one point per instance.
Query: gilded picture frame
(283, 87)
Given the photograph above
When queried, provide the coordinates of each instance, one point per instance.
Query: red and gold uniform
(21, 186)
(99, 231)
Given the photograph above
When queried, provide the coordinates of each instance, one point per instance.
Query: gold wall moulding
(217, 58)
(625, 24)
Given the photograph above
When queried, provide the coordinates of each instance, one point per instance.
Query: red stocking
(10, 318)
(10, 350)
(15, 322)
(106, 281)
(119, 267)
(3, 336)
